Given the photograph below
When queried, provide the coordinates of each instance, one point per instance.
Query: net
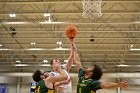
(92, 8)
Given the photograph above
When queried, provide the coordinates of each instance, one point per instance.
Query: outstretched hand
(122, 84)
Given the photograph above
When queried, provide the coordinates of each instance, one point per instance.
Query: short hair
(36, 76)
(97, 72)
(51, 62)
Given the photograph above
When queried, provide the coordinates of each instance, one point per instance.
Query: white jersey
(67, 85)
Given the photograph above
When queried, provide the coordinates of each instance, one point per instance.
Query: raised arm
(71, 57)
(77, 59)
(113, 85)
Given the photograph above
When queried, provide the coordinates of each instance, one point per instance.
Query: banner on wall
(33, 86)
(2, 88)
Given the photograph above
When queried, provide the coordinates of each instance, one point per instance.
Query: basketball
(71, 31)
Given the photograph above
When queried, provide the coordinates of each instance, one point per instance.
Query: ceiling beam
(64, 44)
(81, 31)
(81, 38)
(45, 49)
(69, 13)
(68, 23)
(49, 54)
(61, 1)
(86, 43)
(134, 58)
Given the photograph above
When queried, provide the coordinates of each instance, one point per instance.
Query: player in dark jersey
(89, 77)
(46, 81)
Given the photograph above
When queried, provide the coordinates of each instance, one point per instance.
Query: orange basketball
(71, 31)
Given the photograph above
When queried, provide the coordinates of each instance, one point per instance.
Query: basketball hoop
(92, 8)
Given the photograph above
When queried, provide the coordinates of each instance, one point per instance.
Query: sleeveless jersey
(67, 85)
(41, 88)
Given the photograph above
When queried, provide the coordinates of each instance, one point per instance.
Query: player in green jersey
(46, 81)
(89, 77)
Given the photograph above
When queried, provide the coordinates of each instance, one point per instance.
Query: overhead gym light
(47, 14)
(135, 49)
(12, 15)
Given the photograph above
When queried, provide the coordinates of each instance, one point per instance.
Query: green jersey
(41, 88)
(87, 85)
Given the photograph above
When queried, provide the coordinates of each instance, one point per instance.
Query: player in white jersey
(64, 86)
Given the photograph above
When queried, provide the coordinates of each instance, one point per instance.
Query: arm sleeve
(95, 85)
(81, 72)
